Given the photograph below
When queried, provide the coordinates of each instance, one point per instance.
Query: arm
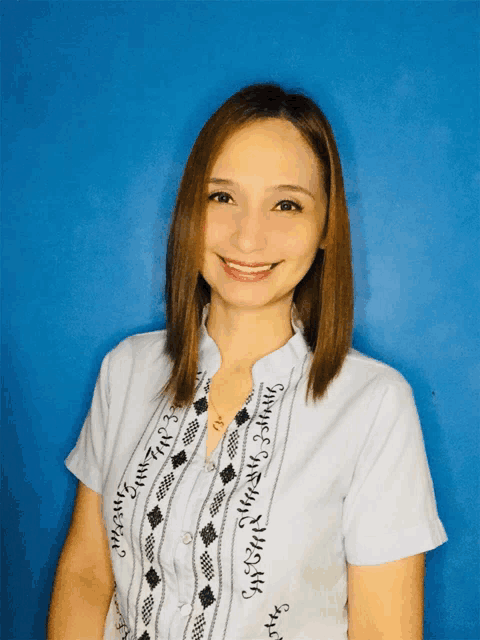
(385, 602)
(84, 580)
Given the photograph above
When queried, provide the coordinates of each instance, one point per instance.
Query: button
(187, 538)
(185, 610)
(210, 466)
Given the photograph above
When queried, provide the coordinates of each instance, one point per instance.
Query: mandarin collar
(277, 364)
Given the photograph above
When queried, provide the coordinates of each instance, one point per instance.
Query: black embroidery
(117, 518)
(150, 455)
(232, 444)
(217, 502)
(149, 545)
(242, 417)
(116, 533)
(278, 610)
(172, 417)
(178, 459)
(152, 578)
(162, 430)
(268, 400)
(164, 486)
(206, 596)
(191, 432)
(120, 625)
(253, 558)
(198, 627)
(201, 405)
(155, 516)
(227, 474)
(207, 565)
(255, 476)
(147, 610)
(140, 476)
(208, 534)
(253, 555)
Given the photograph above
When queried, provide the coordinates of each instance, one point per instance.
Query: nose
(251, 227)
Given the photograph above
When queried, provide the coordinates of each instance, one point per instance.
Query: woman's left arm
(385, 602)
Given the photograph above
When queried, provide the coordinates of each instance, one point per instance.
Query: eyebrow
(278, 187)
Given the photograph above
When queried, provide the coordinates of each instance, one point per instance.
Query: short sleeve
(390, 510)
(85, 460)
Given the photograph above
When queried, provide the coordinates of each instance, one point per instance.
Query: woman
(246, 474)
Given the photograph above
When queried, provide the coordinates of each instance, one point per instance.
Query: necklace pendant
(219, 422)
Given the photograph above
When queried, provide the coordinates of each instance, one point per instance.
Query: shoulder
(138, 350)
(366, 375)
(369, 367)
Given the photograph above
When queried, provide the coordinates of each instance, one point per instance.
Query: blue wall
(101, 104)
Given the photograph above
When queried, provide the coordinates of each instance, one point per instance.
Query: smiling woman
(256, 223)
(272, 153)
(257, 476)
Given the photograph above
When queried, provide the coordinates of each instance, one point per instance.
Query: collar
(274, 365)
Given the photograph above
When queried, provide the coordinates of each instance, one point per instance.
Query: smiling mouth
(232, 265)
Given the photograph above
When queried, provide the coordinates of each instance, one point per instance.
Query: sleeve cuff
(397, 544)
(89, 478)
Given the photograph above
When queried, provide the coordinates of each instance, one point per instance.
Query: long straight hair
(323, 298)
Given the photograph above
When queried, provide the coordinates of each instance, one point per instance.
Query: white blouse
(253, 544)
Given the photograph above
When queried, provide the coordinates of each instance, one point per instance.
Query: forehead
(272, 147)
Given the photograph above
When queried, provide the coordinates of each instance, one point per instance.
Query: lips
(243, 267)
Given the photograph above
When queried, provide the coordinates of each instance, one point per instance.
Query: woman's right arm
(84, 581)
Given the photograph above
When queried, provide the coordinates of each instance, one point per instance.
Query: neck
(245, 335)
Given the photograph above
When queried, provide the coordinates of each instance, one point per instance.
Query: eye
(222, 196)
(286, 205)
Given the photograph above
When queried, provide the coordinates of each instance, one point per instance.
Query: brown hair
(324, 297)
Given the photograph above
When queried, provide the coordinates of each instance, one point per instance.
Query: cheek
(215, 231)
(300, 241)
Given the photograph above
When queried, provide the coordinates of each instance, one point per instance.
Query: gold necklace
(220, 421)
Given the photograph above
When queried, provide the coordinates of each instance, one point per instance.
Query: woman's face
(266, 204)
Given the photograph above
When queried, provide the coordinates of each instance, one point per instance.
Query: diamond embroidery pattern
(206, 596)
(232, 444)
(208, 534)
(149, 542)
(147, 610)
(242, 416)
(190, 432)
(155, 517)
(201, 405)
(198, 627)
(152, 578)
(178, 459)
(227, 474)
(216, 502)
(165, 485)
(207, 566)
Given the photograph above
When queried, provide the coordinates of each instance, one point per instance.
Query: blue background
(102, 102)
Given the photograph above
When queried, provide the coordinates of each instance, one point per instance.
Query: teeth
(248, 269)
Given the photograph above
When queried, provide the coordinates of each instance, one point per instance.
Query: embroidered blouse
(253, 543)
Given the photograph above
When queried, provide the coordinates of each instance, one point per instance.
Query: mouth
(257, 269)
